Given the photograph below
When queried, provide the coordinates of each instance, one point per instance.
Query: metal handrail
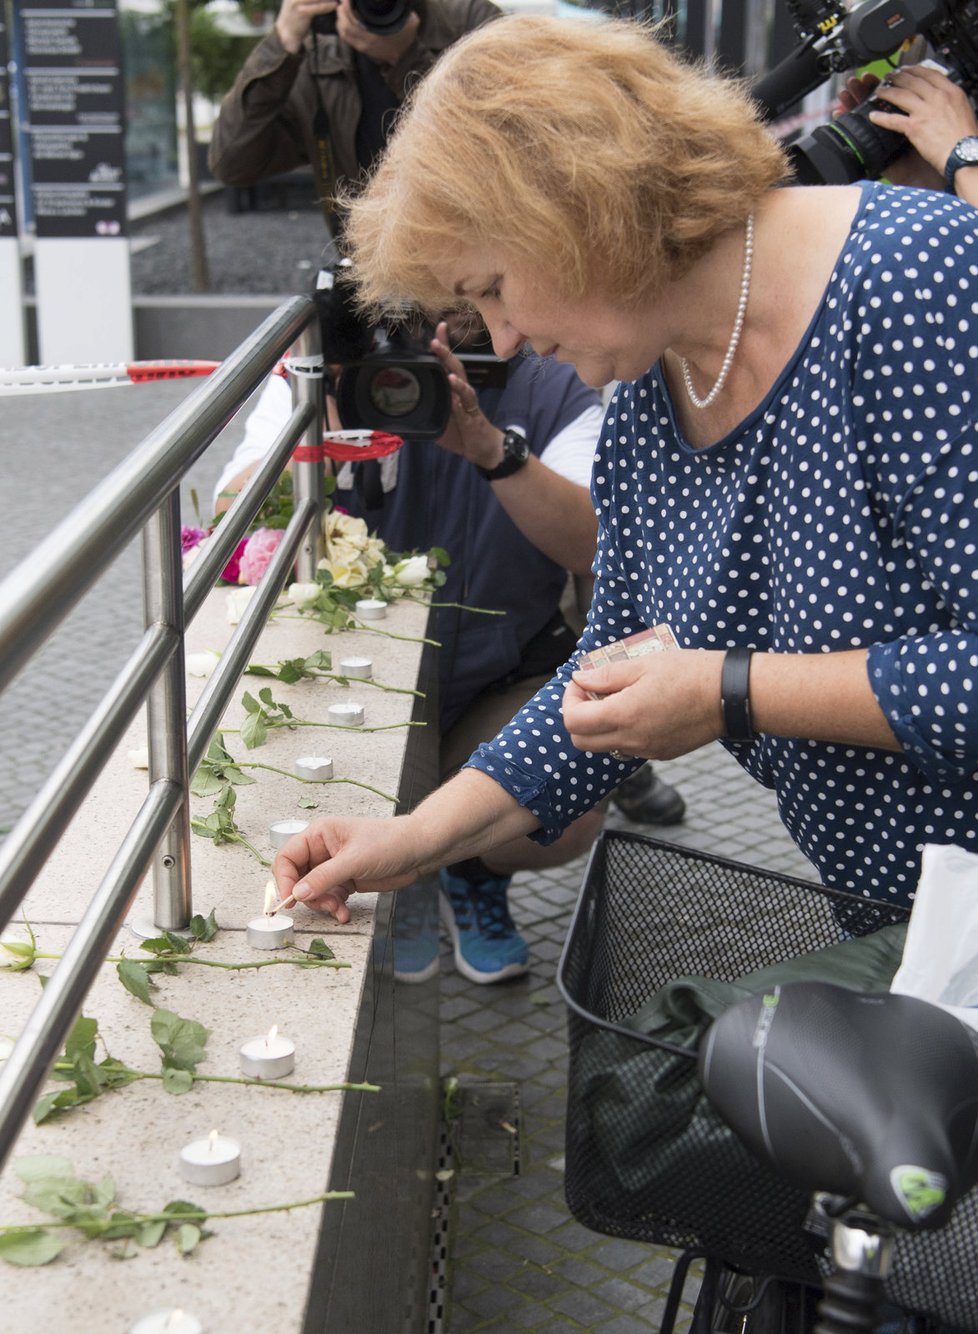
(142, 493)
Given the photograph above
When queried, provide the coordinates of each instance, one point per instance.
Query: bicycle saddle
(871, 1097)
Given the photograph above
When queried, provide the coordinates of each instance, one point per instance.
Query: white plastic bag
(940, 958)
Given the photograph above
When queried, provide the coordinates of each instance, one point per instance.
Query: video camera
(388, 381)
(834, 39)
(383, 17)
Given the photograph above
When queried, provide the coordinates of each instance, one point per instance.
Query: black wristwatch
(516, 451)
(963, 154)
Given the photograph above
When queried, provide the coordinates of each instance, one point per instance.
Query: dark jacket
(266, 122)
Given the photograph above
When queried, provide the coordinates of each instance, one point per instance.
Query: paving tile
(582, 1306)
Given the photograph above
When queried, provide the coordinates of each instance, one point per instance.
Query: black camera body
(383, 17)
(851, 147)
(387, 379)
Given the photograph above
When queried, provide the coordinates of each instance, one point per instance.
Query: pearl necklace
(696, 401)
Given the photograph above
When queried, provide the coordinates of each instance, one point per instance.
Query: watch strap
(963, 154)
(516, 451)
(735, 695)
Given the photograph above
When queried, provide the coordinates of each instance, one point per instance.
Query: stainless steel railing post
(166, 712)
(305, 366)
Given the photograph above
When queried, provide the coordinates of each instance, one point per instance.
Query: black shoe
(646, 799)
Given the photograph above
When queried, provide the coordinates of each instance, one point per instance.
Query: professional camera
(388, 380)
(834, 39)
(383, 17)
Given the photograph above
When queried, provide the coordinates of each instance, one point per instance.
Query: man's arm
(551, 511)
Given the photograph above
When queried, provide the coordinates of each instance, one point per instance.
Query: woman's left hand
(470, 432)
(657, 707)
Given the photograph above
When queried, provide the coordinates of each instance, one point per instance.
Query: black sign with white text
(73, 75)
(8, 185)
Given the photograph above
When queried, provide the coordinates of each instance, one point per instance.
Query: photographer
(934, 114)
(328, 99)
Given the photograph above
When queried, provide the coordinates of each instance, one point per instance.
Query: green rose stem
(136, 1075)
(337, 727)
(460, 606)
(307, 961)
(318, 782)
(190, 1215)
(234, 837)
(312, 675)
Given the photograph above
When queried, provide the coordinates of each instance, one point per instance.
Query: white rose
(343, 552)
(301, 594)
(202, 664)
(374, 551)
(237, 602)
(345, 528)
(411, 572)
(139, 758)
(345, 576)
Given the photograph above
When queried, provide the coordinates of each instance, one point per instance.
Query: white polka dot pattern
(842, 513)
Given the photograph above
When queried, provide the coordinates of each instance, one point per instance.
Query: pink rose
(190, 538)
(259, 550)
(231, 571)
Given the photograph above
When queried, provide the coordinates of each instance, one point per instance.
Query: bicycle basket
(646, 1156)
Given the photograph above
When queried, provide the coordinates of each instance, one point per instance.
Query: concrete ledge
(263, 1272)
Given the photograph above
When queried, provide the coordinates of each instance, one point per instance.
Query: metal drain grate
(441, 1214)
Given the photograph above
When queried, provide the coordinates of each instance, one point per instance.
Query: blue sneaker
(415, 932)
(487, 946)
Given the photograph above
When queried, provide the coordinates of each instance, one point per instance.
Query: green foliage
(51, 1186)
(217, 768)
(263, 713)
(182, 1042)
(291, 670)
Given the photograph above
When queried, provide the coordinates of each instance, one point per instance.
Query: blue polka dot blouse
(842, 513)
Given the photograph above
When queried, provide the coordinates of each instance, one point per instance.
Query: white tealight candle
(270, 1057)
(371, 609)
(173, 1321)
(268, 933)
(314, 766)
(361, 669)
(282, 830)
(213, 1161)
(347, 715)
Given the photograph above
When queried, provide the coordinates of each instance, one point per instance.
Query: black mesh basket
(647, 1157)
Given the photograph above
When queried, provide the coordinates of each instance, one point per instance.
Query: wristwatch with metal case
(516, 451)
(963, 154)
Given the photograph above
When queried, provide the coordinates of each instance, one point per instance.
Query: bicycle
(661, 930)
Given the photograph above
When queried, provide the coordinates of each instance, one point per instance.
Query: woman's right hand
(334, 858)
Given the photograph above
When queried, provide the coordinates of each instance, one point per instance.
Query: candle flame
(272, 1035)
(271, 898)
(175, 1316)
(211, 1141)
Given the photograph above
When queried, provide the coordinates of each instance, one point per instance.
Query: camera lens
(850, 148)
(382, 16)
(394, 391)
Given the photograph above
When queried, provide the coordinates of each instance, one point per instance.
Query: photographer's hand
(470, 432)
(938, 114)
(382, 50)
(295, 18)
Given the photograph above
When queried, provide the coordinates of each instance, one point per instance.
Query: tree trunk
(198, 244)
